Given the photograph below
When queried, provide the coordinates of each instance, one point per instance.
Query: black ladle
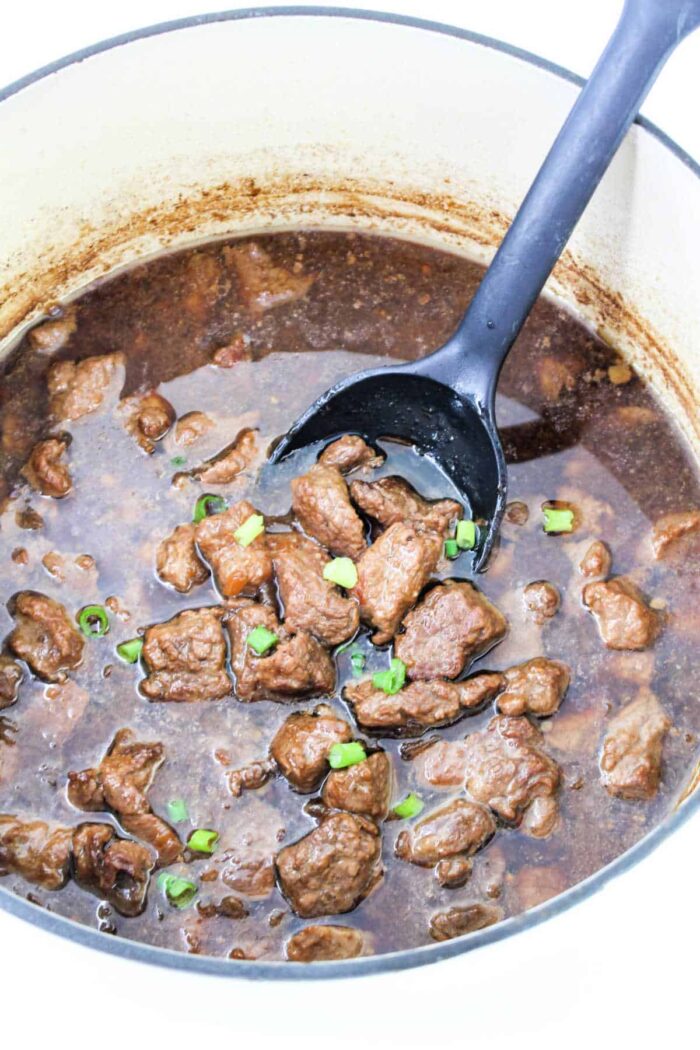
(444, 404)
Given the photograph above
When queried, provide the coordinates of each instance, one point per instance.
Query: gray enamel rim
(430, 953)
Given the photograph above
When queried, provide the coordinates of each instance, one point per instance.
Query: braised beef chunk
(624, 619)
(631, 758)
(295, 666)
(262, 284)
(191, 427)
(453, 624)
(362, 788)
(324, 944)
(541, 600)
(251, 777)
(507, 768)
(331, 869)
(177, 561)
(113, 868)
(148, 419)
(237, 569)
(10, 680)
(310, 602)
(45, 470)
(459, 827)
(236, 458)
(536, 687)
(392, 500)
(669, 530)
(420, 704)
(597, 561)
(77, 388)
(52, 335)
(391, 575)
(444, 764)
(300, 746)
(37, 851)
(321, 502)
(455, 922)
(350, 452)
(44, 636)
(186, 658)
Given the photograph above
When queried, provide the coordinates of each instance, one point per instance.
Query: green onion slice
(465, 536)
(177, 810)
(93, 621)
(203, 840)
(179, 892)
(392, 680)
(357, 662)
(341, 756)
(206, 505)
(341, 571)
(451, 549)
(178, 461)
(558, 519)
(260, 639)
(130, 651)
(251, 528)
(409, 807)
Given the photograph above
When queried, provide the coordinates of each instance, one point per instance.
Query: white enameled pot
(272, 119)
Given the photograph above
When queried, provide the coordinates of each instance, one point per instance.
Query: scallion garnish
(465, 536)
(357, 662)
(203, 840)
(409, 807)
(130, 651)
(93, 621)
(341, 571)
(177, 810)
(180, 892)
(251, 528)
(558, 519)
(341, 756)
(178, 461)
(260, 639)
(206, 505)
(451, 549)
(392, 680)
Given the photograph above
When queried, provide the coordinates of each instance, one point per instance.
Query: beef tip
(77, 388)
(10, 680)
(186, 658)
(300, 746)
(237, 570)
(236, 458)
(507, 767)
(631, 759)
(455, 922)
(148, 418)
(53, 335)
(541, 817)
(536, 687)
(226, 908)
(444, 764)
(452, 872)
(37, 851)
(541, 600)
(454, 623)
(459, 827)
(251, 777)
(324, 944)
(116, 869)
(391, 575)
(297, 666)
(671, 528)
(392, 500)
(44, 636)
(350, 452)
(624, 619)
(247, 858)
(321, 502)
(332, 868)
(597, 561)
(261, 284)
(362, 788)
(152, 829)
(45, 471)
(420, 704)
(191, 427)
(311, 603)
(177, 561)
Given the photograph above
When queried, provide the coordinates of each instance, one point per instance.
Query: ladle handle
(647, 33)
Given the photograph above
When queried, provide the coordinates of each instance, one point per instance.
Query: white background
(622, 966)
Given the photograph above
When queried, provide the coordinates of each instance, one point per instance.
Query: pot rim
(410, 957)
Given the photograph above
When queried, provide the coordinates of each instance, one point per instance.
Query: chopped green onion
(93, 621)
(341, 756)
(341, 571)
(179, 892)
(203, 840)
(260, 639)
(130, 651)
(177, 810)
(206, 505)
(251, 528)
(357, 662)
(178, 461)
(558, 519)
(465, 536)
(409, 807)
(392, 680)
(451, 549)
